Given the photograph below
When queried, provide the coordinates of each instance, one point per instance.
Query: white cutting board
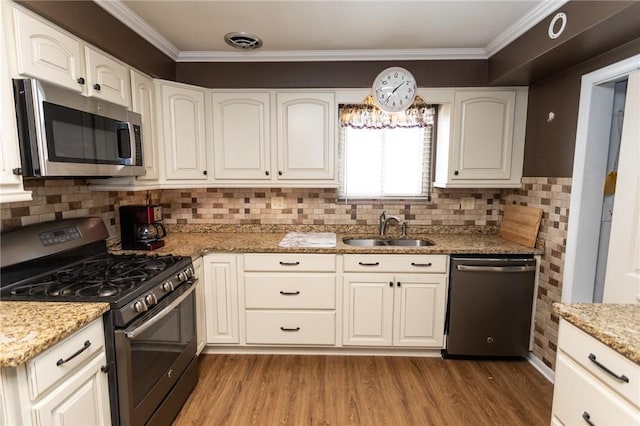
(309, 239)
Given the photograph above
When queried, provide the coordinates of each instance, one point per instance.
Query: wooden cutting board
(520, 224)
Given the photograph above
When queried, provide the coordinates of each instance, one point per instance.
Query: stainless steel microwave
(65, 134)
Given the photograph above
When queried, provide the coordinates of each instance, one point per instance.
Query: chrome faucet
(384, 221)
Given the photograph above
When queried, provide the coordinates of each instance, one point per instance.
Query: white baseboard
(537, 363)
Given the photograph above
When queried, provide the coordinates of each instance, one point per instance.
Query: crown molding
(331, 55)
(524, 24)
(125, 15)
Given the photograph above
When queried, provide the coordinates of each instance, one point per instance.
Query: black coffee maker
(141, 227)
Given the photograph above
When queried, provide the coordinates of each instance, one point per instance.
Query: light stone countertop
(29, 328)
(198, 243)
(615, 325)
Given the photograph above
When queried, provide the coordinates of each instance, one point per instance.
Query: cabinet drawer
(583, 348)
(46, 369)
(290, 291)
(430, 263)
(578, 395)
(290, 262)
(291, 328)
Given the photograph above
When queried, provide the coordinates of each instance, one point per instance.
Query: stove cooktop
(104, 278)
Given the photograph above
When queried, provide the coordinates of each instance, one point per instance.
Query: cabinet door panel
(107, 79)
(46, 53)
(184, 133)
(81, 399)
(484, 134)
(419, 310)
(143, 102)
(306, 136)
(221, 296)
(241, 135)
(368, 305)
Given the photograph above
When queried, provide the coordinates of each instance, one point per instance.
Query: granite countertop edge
(30, 328)
(615, 325)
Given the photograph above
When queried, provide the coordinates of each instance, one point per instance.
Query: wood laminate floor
(357, 390)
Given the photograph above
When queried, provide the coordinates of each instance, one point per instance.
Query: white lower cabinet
(65, 385)
(221, 298)
(290, 299)
(593, 383)
(394, 309)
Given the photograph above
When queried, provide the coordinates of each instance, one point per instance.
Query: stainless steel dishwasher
(489, 306)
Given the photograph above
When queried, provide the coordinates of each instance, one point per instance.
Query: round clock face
(394, 89)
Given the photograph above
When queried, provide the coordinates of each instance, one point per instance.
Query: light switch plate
(277, 203)
(467, 203)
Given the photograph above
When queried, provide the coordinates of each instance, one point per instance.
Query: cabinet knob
(204, 172)
(266, 173)
(399, 284)
(456, 173)
(96, 86)
(17, 171)
(80, 80)
(390, 283)
(279, 172)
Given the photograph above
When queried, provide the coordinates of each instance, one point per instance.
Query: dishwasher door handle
(471, 268)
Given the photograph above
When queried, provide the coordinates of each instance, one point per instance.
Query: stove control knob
(140, 306)
(167, 286)
(182, 276)
(151, 299)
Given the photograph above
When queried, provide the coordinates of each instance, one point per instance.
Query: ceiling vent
(243, 41)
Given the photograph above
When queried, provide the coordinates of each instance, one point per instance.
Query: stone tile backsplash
(65, 198)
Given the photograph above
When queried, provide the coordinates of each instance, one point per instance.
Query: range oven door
(153, 353)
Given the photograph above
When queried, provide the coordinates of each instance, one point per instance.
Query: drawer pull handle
(421, 264)
(368, 263)
(621, 377)
(289, 263)
(78, 352)
(290, 329)
(587, 418)
(289, 293)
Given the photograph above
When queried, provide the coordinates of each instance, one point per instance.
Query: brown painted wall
(327, 74)
(549, 147)
(593, 28)
(93, 24)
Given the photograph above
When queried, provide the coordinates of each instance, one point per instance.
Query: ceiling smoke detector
(243, 41)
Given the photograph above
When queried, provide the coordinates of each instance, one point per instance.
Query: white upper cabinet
(144, 103)
(45, 53)
(306, 136)
(107, 79)
(481, 139)
(11, 188)
(274, 138)
(241, 134)
(184, 133)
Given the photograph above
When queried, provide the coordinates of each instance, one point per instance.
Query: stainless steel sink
(386, 242)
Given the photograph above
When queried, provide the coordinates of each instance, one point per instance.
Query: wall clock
(394, 89)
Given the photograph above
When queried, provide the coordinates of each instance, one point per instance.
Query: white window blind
(385, 163)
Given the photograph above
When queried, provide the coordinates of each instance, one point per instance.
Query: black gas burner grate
(107, 277)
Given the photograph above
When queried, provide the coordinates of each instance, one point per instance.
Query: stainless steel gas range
(150, 327)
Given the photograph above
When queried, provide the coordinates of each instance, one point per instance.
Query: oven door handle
(134, 332)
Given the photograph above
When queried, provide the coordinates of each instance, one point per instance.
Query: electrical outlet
(277, 203)
(467, 203)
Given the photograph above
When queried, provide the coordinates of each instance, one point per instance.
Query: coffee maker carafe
(141, 227)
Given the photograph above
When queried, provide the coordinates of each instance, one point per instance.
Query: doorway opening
(595, 120)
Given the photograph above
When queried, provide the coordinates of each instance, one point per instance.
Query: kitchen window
(383, 163)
